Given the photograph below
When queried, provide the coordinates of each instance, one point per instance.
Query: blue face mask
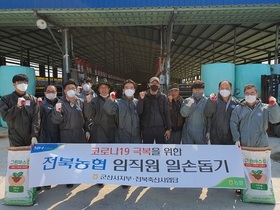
(197, 95)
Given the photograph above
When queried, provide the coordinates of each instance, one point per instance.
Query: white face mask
(86, 87)
(71, 93)
(250, 99)
(224, 93)
(129, 92)
(106, 96)
(50, 96)
(22, 87)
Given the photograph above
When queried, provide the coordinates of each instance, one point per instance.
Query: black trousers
(152, 134)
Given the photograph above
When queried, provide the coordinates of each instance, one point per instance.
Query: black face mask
(154, 88)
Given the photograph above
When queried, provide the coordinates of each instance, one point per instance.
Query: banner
(150, 165)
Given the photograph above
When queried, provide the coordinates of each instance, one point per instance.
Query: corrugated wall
(36, 4)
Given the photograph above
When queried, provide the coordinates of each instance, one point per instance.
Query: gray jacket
(23, 123)
(219, 112)
(250, 125)
(128, 128)
(196, 124)
(71, 121)
(103, 125)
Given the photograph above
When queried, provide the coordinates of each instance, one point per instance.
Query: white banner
(150, 165)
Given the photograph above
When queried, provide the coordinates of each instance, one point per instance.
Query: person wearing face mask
(177, 121)
(128, 129)
(154, 114)
(103, 124)
(219, 109)
(196, 126)
(249, 120)
(70, 115)
(21, 111)
(86, 85)
(49, 132)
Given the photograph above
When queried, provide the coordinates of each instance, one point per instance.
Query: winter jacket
(128, 128)
(49, 132)
(23, 123)
(154, 111)
(219, 112)
(196, 124)
(177, 121)
(249, 125)
(71, 121)
(103, 125)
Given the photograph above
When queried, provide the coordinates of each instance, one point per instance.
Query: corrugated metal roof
(127, 41)
(70, 4)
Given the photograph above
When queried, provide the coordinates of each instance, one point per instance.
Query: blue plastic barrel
(6, 85)
(275, 69)
(250, 74)
(213, 74)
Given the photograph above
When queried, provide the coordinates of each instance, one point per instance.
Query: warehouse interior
(132, 42)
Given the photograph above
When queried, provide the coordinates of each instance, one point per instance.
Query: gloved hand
(40, 101)
(58, 107)
(21, 101)
(271, 101)
(87, 136)
(79, 89)
(113, 96)
(34, 141)
(213, 97)
(238, 143)
(190, 102)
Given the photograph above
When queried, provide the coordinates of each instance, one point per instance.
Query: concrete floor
(114, 197)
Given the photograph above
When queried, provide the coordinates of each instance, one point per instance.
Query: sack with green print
(257, 167)
(17, 191)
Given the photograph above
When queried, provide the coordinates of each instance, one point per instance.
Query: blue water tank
(250, 74)
(213, 74)
(275, 69)
(6, 85)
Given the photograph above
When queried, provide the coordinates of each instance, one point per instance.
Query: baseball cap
(154, 79)
(173, 87)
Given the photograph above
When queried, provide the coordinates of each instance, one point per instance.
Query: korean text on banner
(138, 164)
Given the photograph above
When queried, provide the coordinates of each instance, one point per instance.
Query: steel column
(66, 62)
(168, 46)
(276, 44)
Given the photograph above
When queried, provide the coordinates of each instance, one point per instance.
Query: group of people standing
(100, 117)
